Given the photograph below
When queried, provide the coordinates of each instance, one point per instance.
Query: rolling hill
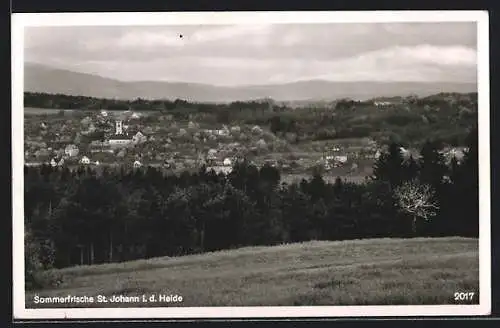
(39, 78)
(356, 272)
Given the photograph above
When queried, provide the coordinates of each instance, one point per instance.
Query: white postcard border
(20, 21)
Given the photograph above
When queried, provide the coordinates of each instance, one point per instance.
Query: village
(135, 140)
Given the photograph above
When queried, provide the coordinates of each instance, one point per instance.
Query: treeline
(61, 101)
(90, 217)
(409, 128)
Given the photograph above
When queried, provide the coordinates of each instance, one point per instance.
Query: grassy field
(359, 272)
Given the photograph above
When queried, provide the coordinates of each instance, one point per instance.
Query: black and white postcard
(250, 164)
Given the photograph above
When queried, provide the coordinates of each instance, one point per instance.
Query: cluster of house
(382, 103)
(121, 138)
(71, 151)
(84, 160)
(128, 113)
(334, 161)
(213, 164)
(333, 158)
(224, 132)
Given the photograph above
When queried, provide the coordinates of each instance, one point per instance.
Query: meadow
(384, 271)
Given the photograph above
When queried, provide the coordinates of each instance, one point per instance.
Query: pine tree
(454, 169)
(269, 175)
(432, 165)
(411, 169)
(317, 187)
(389, 166)
(466, 188)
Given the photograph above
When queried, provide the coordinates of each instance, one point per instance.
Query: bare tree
(417, 200)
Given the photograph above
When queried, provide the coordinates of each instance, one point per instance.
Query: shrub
(262, 144)
(38, 257)
(257, 130)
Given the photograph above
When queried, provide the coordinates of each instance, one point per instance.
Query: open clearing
(358, 272)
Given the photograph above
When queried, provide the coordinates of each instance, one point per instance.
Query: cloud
(259, 54)
(149, 39)
(253, 34)
(421, 54)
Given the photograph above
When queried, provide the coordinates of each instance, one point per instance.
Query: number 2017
(463, 296)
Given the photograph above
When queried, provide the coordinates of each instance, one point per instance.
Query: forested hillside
(410, 120)
(90, 216)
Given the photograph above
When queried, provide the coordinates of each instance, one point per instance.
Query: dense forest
(89, 216)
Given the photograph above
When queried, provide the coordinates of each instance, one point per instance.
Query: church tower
(119, 127)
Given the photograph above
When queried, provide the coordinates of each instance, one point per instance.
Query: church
(124, 138)
(120, 138)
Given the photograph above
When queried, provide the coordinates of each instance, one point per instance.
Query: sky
(262, 54)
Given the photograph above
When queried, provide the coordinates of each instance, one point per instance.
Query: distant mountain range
(39, 78)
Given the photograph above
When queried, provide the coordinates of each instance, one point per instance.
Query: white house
(71, 150)
(335, 159)
(220, 169)
(218, 132)
(139, 138)
(212, 153)
(61, 162)
(84, 160)
(225, 131)
(227, 162)
(104, 113)
(137, 164)
(92, 127)
(340, 159)
(96, 163)
(53, 163)
(382, 103)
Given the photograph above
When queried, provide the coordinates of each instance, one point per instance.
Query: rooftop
(122, 136)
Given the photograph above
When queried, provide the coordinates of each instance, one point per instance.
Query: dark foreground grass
(361, 272)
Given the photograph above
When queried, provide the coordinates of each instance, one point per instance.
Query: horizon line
(247, 85)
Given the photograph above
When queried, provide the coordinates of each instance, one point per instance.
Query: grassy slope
(361, 272)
